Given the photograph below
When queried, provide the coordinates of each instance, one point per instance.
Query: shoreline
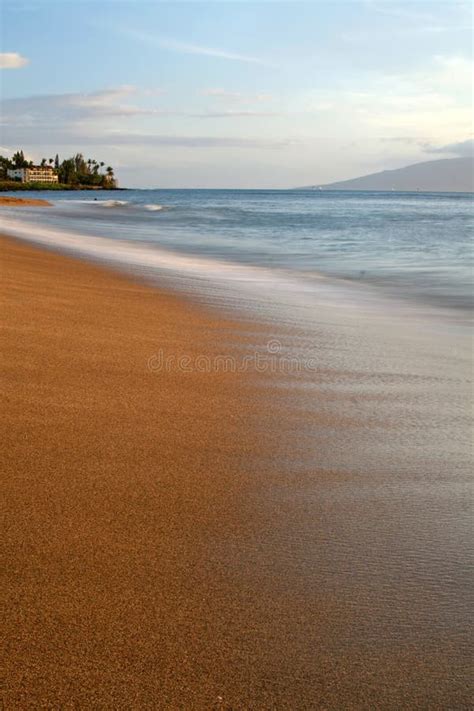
(187, 538)
(6, 187)
(159, 263)
(394, 289)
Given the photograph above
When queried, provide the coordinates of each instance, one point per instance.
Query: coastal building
(33, 174)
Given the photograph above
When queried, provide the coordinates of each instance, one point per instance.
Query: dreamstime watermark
(270, 360)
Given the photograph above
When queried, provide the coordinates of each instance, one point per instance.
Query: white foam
(92, 201)
(154, 208)
(320, 298)
(131, 254)
(256, 282)
(112, 203)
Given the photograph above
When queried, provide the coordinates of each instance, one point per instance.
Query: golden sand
(19, 202)
(157, 552)
(120, 483)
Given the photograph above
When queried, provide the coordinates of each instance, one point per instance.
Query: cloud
(193, 141)
(187, 48)
(405, 12)
(82, 119)
(68, 119)
(434, 100)
(236, 96)
(74, 110)
(175, 45)
(461, 149)
(233, 114)
(450, 73)
(27, 136)
(408, 140)
(240, 104)
(71, 108)
(455, 16)
(12, 60)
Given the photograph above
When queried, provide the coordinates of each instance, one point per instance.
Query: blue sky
(237, 94)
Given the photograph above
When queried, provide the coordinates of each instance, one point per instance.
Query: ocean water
(374, 288)
(414, 247)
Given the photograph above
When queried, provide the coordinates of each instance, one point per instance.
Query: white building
(33, 174)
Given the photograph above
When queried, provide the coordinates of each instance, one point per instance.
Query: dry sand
(156, 553)
(19, 202)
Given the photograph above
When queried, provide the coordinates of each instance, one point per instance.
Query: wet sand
(160, 552)
(19, 202)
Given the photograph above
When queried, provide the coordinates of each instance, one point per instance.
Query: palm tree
(18, 160)
(51, 161)
(109, 179)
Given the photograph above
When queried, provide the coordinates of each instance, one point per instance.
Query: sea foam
(154, 208)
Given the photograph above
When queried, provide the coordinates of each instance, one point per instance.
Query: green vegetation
(16, 185)
(75, 173)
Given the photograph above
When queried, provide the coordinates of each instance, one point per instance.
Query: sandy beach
(9, 201)
(158, 551)
(117, 478)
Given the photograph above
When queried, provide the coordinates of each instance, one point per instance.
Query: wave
(94, 201)
(151, 207)
(133, 255)
(154, 208)
(112, 203)
(219, 278)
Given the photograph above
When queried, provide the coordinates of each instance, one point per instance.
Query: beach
(117, 478)
(9, 201)
(164, 546)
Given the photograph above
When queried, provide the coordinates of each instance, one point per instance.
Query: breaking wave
(113, 203)
(154, 208)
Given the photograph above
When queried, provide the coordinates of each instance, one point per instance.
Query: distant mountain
(450, 175)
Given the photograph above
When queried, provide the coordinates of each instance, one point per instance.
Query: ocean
(374, 288)
(410, 247)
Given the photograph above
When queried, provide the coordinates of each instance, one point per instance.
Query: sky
(237, 94)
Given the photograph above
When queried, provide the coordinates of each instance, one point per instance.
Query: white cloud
(187, 48)
(236, 96)
(82, 119)
(236, 104)
(89, 136)
(12, 60)
(49, 109)
(175, 45)
(462, 149)
(190, 141)
(452, 73)
(230, 113)
(404, 12)
(74, 111)
(433, 101)
(453, 17)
